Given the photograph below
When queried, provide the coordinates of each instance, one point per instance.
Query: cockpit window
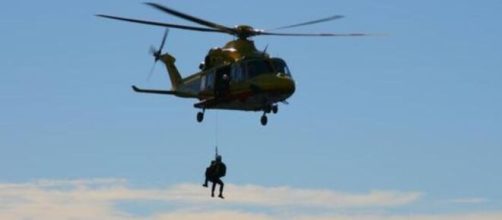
(258, 67)
(280, 66)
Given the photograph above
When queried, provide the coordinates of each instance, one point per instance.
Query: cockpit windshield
(280, 66)
(258, 67)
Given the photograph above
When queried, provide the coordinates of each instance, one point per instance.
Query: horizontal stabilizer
(162, 92)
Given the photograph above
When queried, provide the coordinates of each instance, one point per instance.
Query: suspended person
(214, 173)
(220, 170)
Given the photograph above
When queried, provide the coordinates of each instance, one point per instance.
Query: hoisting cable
(216, 136)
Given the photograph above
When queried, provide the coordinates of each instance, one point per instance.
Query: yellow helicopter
(236, 76)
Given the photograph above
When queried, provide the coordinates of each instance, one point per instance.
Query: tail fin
(173, 72)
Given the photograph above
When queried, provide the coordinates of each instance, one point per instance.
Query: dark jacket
(220, 170)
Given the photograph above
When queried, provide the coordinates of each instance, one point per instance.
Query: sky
(404, 124)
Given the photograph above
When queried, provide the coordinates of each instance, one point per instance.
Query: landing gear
(200, 116)
(267, 109)
(275, 109)
(264, 119)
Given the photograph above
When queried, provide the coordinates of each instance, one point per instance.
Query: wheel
(264, 120)
(200, 116)
(275, 109)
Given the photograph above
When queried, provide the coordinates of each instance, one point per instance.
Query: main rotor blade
(184, 27)
(311, 22)
(200, 21)
(314, 35)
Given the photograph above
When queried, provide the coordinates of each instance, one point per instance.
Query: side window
(244, 72)
(210, 80)
(258, 67)
(203, 82)
(237, 74)
(251, 69)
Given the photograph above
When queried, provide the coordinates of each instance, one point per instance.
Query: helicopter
(236, 76)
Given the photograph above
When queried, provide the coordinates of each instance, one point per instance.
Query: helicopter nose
(287, 84)
(290, 86)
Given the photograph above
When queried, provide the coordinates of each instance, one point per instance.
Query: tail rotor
(157, 53)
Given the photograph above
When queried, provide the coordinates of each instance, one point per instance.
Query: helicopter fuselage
(235, 77)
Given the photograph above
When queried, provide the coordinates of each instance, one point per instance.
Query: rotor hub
(245, 31)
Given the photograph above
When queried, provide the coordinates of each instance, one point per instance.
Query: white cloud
(214, 215)
(467, 201)
(97, 199)
(281, 196)
(109, 190)
(467, 216)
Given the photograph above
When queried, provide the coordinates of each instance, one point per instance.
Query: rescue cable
(216, 136)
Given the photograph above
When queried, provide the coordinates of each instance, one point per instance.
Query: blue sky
(415, 113)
